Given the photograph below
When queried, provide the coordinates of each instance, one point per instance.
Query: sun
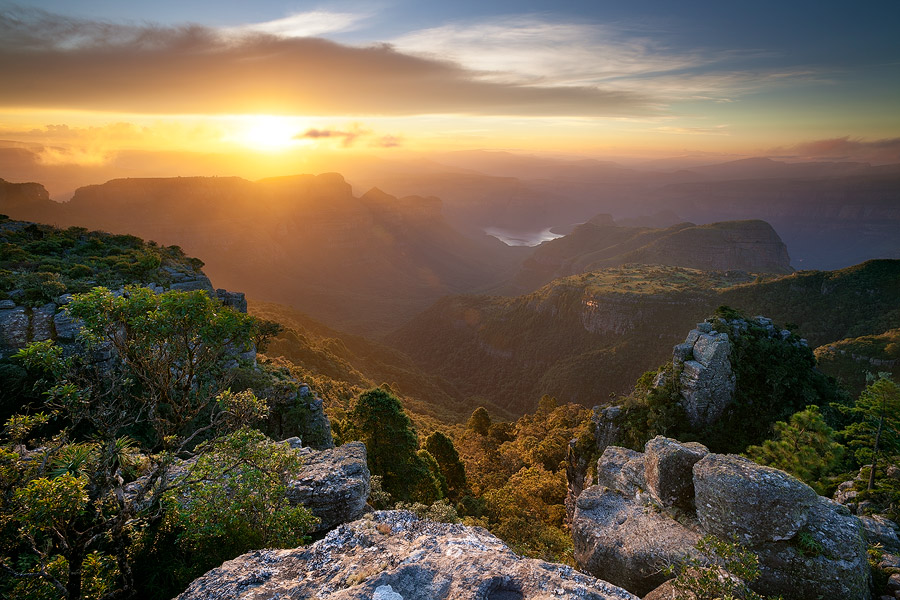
(269, 133)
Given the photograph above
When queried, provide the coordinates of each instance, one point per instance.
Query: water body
(521, 238)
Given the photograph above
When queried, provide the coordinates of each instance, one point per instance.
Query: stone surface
(13, 329)
(392, 555)
(841, 567)
(737, 497)
(625, 542)
(42, 322)
(707, 380)
(668, 470)
(334, 484)
(881, 530)
(621, 469)
(620, 536)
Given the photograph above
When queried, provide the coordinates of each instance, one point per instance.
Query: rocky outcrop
(333, 485)
(737, 497)
(393, 555)
(627, 529)
(707, 382)
(626, 542)
(881, 530)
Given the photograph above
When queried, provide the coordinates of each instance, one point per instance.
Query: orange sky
(283, 90)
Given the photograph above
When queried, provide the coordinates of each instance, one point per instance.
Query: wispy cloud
(533, 50)
(305, 24)
(63, 62)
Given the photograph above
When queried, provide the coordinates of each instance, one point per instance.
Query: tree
(878, 428)
(378, 419)
(480, 421)
(804, 447)
(81, 481)
(454, 473)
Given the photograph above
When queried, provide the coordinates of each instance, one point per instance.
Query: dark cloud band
(55, 62)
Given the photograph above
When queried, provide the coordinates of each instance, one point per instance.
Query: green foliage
(774, 378)
(451, 467)
(875, 431)
(233, 500)
(44, 262)
(721, 570)
(378, 419)
(68, 527)
(804, 447)
(808, 545)
(518, 479)
(480, 421)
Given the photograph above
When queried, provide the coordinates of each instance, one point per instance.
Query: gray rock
(881, 530)
(394, 554)
(7, 304)
(42, 322)
(66, 328)
(841, 567)
(235, 300)
(334, 484)
(668, 471)
(889, 561)
(737, 497)
(845, 493)
(622, 470)
(626, 543)
(707, 380)
(13, 328)
(195, 282)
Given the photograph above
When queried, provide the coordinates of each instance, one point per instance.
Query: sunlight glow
(268, 133)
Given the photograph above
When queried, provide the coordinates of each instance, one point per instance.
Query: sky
(797, 80)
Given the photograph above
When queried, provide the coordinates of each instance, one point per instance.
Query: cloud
(306, 24)
(532, 50)
(347, 137)
(883, 151)
(48, 61)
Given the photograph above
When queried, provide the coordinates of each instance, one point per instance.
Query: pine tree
(442, 449)
(877, 431)
(804, 447)
(379, 420)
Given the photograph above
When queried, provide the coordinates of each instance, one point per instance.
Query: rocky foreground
(393, 555)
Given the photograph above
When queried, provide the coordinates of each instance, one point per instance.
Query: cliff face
(27, 201)
(393, 555)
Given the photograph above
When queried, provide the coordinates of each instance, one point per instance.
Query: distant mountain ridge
(751, 246)
(364, 264)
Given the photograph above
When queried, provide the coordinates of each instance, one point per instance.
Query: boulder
(394, 555)
(835, 561)
(622, 470)
(42, 322)
(333, 485)
(881, 530)
(13, 329)
(668, 470)
(737, 497)
(625, 542)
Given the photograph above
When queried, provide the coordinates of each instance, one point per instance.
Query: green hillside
(585, 337)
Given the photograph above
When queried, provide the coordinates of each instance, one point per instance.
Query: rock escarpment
(639, 520)
(393, 555)
(333, 485)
